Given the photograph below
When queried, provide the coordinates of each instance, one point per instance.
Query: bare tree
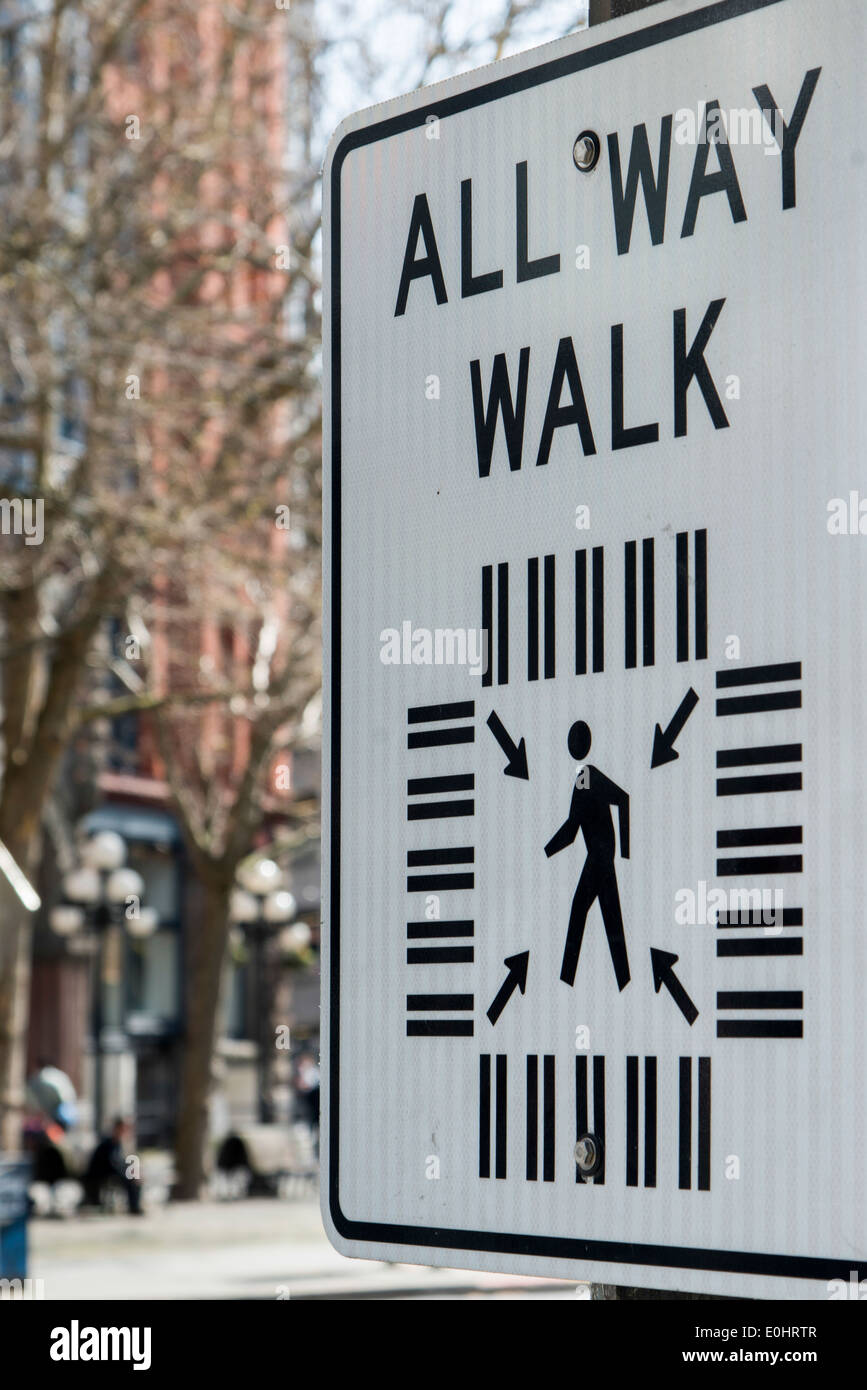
(157, 403)
(223, 784)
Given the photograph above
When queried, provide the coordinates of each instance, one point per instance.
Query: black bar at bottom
(685, 1134)
(650, 1122)
(484, 1116)
(704, 1124)
(502, 1112)
(532, 1118)
(548, 1119)
(759, 1028)
(439, 1028)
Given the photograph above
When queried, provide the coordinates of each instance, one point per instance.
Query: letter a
(420, 226)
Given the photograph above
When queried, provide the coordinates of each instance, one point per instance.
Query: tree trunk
(205, 957)
(15, 942)
(28, 775)
(16, 934)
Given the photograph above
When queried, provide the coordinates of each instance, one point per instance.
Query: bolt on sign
(596, 568)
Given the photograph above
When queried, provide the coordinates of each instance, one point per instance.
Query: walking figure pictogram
(593, 796)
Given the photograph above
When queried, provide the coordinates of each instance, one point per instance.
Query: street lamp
(261, 905)
(294, 940)
(106, 850)
(102, 893)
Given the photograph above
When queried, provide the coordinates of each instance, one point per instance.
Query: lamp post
(102, 893)
(261, 904)
(600, 10)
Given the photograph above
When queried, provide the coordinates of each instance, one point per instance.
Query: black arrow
(517, 976)
(664, 750)
(517, 755)
(663, 974)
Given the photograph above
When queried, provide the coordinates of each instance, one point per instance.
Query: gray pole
(600, 10)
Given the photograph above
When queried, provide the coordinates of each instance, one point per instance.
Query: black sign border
(551, 1247)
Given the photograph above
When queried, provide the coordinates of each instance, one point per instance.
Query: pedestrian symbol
(590, 812)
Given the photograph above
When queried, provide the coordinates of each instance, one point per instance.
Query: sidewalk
(259, 1249)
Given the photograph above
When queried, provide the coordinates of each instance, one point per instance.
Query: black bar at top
(701, 595)
(502, 626)
(647, 598)
(487, 622)
(598, 609)
(580, 612)
(758, 675)
(424, 714)
(630, 583)
(682, 565)
(550, 644)
(533, 619)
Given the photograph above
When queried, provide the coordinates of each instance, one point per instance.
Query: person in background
(53, 1112)
(108, 1162)
(307, 1090)
(52, 1092)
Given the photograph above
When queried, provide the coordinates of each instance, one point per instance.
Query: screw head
(586, 151)
(588, 1154)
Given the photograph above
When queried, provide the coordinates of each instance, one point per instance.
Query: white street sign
(594, 989)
